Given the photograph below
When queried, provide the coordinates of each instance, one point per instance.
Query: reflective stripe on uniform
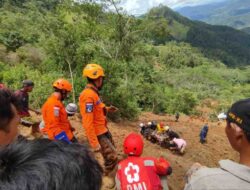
(149, 163)
(56, 111)
(117, 183)
(119, 167)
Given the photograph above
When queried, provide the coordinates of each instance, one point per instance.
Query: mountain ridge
(234, 13)
(218, 42)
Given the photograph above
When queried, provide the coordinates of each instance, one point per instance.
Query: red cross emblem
(132, 172)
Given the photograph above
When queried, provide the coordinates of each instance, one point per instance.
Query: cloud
(141, 6)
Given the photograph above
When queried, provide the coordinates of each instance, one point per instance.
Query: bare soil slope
(208, 154)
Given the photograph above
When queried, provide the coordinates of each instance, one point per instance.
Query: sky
(137, 7)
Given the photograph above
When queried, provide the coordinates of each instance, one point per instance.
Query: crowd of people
(57, 161)
(163, 135)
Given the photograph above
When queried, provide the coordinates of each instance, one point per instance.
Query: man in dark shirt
(23, 97)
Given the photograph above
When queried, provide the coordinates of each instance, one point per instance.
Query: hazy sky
(141, 6)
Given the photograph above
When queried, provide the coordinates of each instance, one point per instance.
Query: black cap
(239, 114)
(27, 83)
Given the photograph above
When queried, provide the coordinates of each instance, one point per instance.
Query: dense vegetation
(230, 46)
(247, 30)
(148, 63)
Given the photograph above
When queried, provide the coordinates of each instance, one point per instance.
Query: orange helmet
(62, 84)
(93, 71)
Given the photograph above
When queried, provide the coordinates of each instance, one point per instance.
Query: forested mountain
(234, 13)
(247, 30)
(217, 42)
(161, 62)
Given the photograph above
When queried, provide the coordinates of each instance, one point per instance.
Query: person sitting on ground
(146, 130)
(9, 118)
(160, 135)
(137, 172)
(153, 125)
(57, 125)
(203, 134)
(178, 144)
(160, 128)
(48, 165)
(142, 128)
(230, 174)
(166, 128)
(71, 110)
(172, 134)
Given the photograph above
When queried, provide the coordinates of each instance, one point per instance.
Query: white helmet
(166, 128)
(149, 123)
(71, 108)
(141, 125)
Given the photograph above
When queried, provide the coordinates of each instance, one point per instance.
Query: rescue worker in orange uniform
(93, 112)
(57, 125)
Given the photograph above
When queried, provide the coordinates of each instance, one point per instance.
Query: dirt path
(209, 154)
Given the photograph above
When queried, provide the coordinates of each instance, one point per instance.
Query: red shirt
(23, 97)
(139, 173)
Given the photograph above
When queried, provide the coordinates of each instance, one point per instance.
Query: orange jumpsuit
(95, 124)
(55, 118)
(93, 116)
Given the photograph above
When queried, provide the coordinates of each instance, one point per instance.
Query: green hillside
(247, 30)
(152, 63)
(230, 46)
